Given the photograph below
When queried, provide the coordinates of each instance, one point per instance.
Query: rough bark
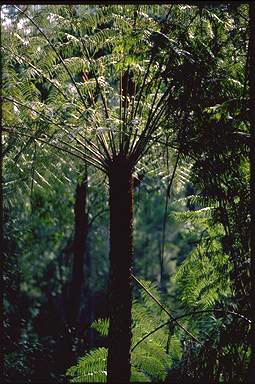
(120, 288)
(252, 186)
(2, 261)
(79, 250)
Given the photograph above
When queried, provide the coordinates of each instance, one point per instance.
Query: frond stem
(169, 187)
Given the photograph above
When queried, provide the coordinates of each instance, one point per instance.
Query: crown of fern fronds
(204, 276)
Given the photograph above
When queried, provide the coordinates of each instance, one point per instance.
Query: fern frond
(148, 302)
(90, 17)
(101, 326)
(90, 368)
(198, 200)
(175, 347)
(101, 39)
(152, 347)
(153, 366)
(193, 216)
(203, 277)
(138, 376)
(144, 319)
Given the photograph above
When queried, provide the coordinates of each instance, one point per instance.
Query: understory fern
(91, 367)
(152, 353)
(203, 278)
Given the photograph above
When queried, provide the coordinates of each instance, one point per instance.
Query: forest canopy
(127, 192)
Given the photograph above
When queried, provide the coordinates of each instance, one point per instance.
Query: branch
(153, 118)
(143, 85)
(150, 113)
(96, 216)
(215, 310)
(110, 135)
(150, 333)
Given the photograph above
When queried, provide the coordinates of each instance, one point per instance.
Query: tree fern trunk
(120, 289)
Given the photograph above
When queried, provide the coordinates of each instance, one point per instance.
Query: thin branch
(110, 135)
(3, 258)
(143, 85)
(150, 127)
(149, 334)
(97, 215)
(150, 113)
(61, 141)
(163, 97)
(97, 154)
(166, 310)
(142, 146)
(155, 97)
(190, 314)
(97, 82)
(215, 310)
(103, 142)
(6, 129)
(240, 14)
(32, 179)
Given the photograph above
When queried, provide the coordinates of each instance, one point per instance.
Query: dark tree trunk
(252, 186)
(2, 255)
(120, 288)
(79, 251)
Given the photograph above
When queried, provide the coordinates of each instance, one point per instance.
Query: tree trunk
(79, 250)
(252, 187)
(120, 288)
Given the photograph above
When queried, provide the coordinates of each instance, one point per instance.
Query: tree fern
(167, 100)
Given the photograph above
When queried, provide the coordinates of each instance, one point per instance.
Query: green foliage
(150, 360)
(200, 58)
(91, 367)
(204, 277)
(101, 326)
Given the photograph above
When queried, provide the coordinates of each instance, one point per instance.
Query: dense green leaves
(149, 360)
